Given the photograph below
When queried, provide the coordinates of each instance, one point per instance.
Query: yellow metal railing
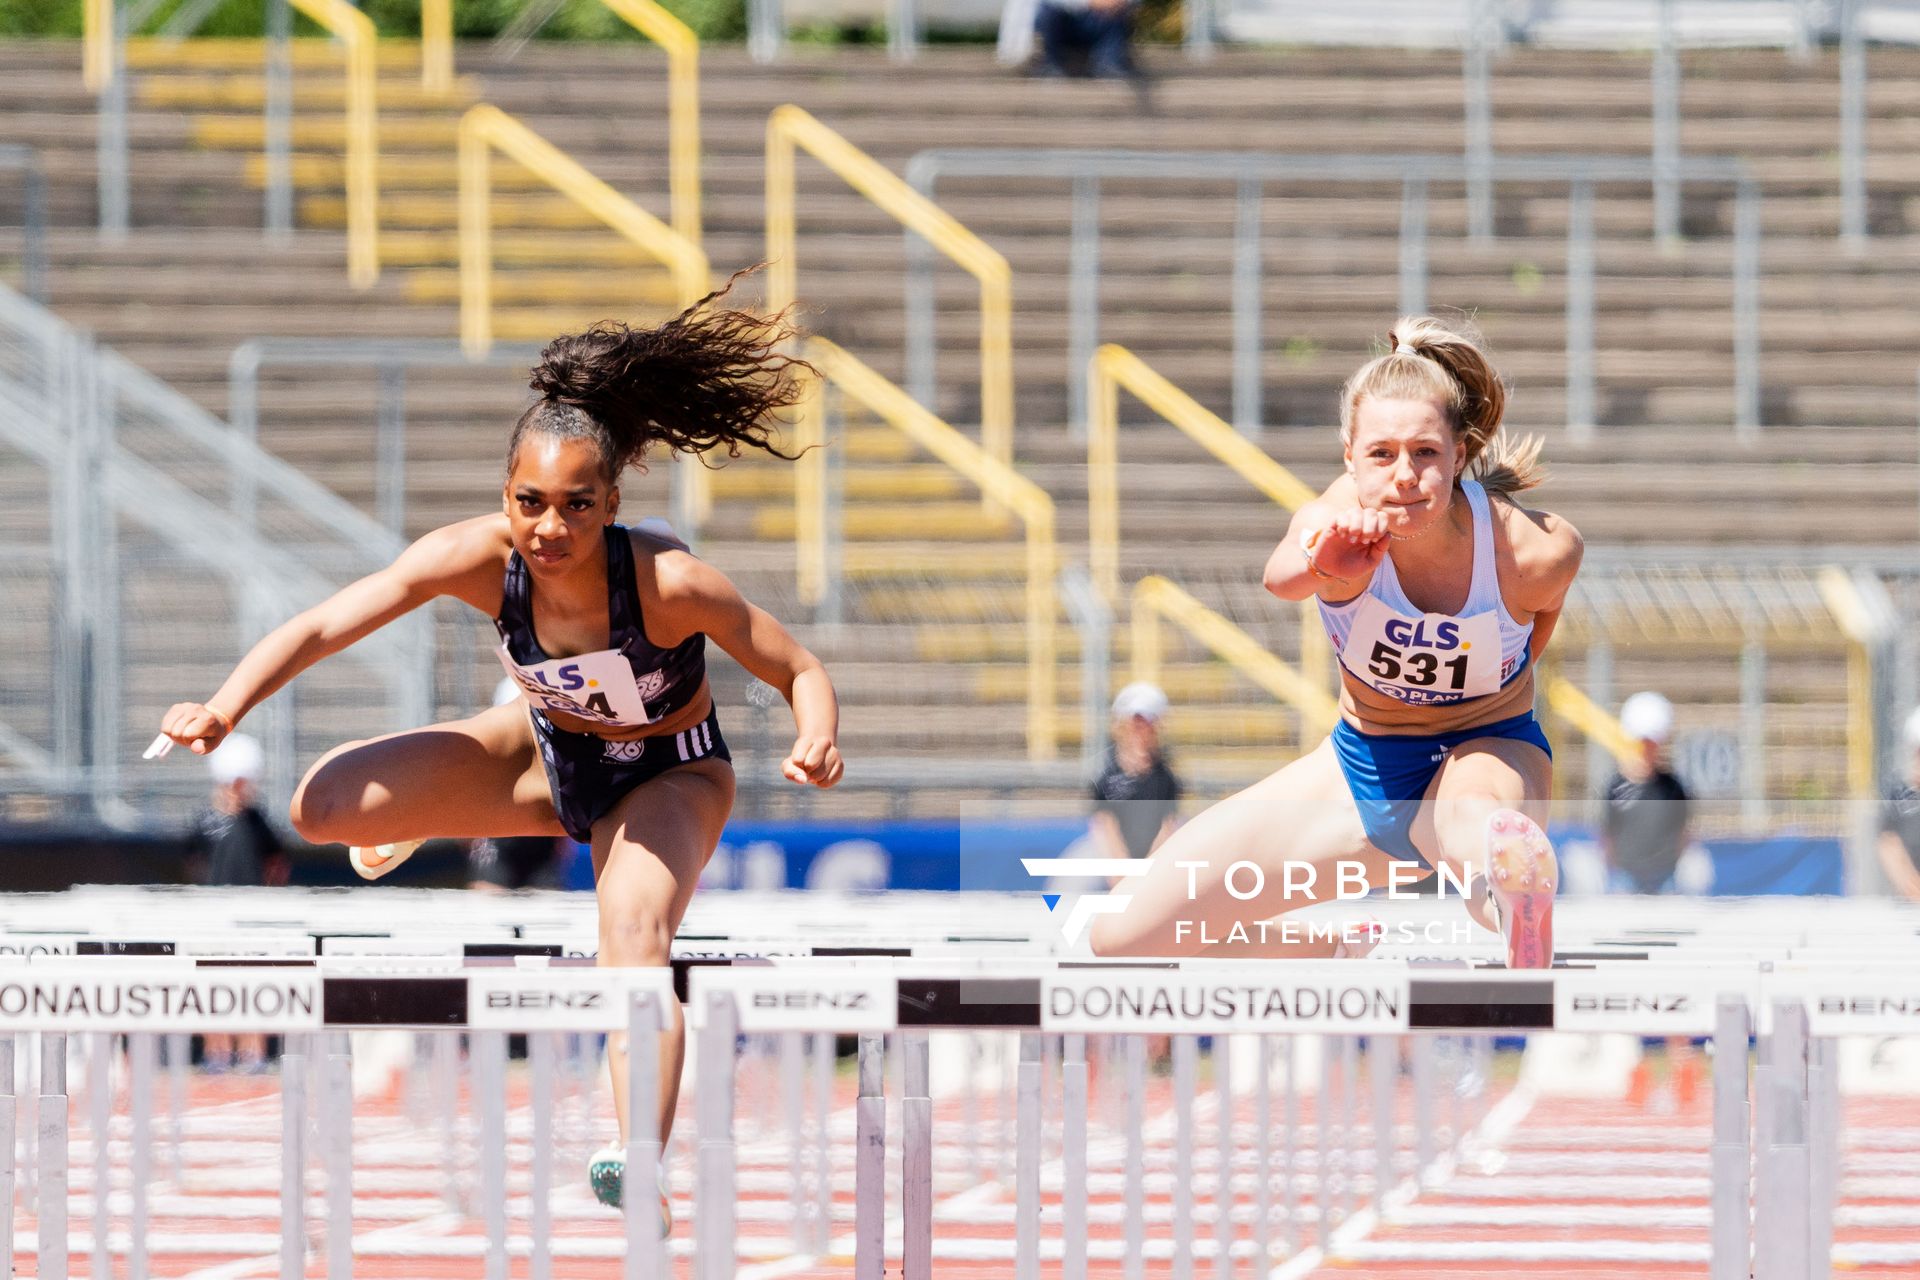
(1114, 367)
(997, 481)
(436, 45)
(1843, 600)
(1156, 598)
(682, 48)
(485, 129)
(356, 34)
(1572, 705)
(96, 44)
(789, 129)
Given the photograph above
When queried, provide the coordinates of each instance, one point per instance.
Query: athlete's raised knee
(321, 810)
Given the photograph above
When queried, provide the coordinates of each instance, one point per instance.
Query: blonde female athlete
(1439, 592)
(604, 627)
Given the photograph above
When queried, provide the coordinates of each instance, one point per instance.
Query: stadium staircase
(195, 278)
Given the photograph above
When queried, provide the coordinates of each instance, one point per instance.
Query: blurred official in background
(1643, 829)
(1136, 796)
(236, 845)
(1900, 820)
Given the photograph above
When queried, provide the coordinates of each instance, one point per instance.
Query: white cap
(1140, 699)
(1647, 717)
(1912, 731)
(238, 758)
(506, 691)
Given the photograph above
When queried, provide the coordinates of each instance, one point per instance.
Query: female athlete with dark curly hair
(604, 627)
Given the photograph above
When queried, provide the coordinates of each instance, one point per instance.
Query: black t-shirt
(236, 845)
(1901, 816)
(1140, 802)
(1646, 823)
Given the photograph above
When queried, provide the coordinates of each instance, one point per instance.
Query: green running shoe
(607, 1175)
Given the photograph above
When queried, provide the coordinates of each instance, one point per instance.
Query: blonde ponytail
(1429, 359)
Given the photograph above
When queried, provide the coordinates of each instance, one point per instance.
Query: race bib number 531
(1426, 660)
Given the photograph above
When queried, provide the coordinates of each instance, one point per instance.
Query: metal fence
(1252, 172)
(33, 218)
(175, 541)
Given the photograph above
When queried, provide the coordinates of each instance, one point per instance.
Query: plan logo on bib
(1085, 906)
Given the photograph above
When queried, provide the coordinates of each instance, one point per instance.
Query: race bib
(1425, 661)
(594, 686)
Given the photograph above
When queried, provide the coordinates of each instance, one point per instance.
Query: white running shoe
(374, 861)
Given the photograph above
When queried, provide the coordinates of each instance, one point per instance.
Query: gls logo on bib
(594, 686)
(1424, 661)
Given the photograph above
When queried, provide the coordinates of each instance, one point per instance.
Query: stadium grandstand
(272, 276)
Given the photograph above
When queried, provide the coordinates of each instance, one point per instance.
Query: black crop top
(632, 683)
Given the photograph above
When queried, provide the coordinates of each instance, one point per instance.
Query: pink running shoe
(1522, 874)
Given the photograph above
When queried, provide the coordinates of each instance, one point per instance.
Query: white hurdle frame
(1786, 1234)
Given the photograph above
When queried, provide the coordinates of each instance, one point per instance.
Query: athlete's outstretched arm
(706, 600)
(460, 560)
(1348, 543)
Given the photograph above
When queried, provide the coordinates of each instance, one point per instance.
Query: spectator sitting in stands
(1086, 38)
(1900, 821)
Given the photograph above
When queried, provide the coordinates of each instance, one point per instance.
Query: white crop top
(1431, 659)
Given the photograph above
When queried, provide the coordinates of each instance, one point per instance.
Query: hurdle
(1380, 1095)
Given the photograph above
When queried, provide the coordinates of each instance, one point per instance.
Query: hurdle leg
(916, 1157)
(1186, 1054)
(1323, 1164)
(1026, 1196)
(646, 1247)
(1782, 1185)
(293, 1157)
(714, 1200)
(1134, 1050)
(9, 1125)
(446, 1093)
(140, 1054)
(51, 1146)
(1263, 1159)
(336, 1131)
(1349, 1125)
(1823, 1149)
(1073, 1159)
(1420, 1065)
(99, 1120)
(793, 1102)
(823, 1064)
(1290, 1138)
(870, 1163)
(179, 1053)
(1731, 1156)
(540, 1055)
(490, 1104)
(1223, 1100)
(1383, 1070)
